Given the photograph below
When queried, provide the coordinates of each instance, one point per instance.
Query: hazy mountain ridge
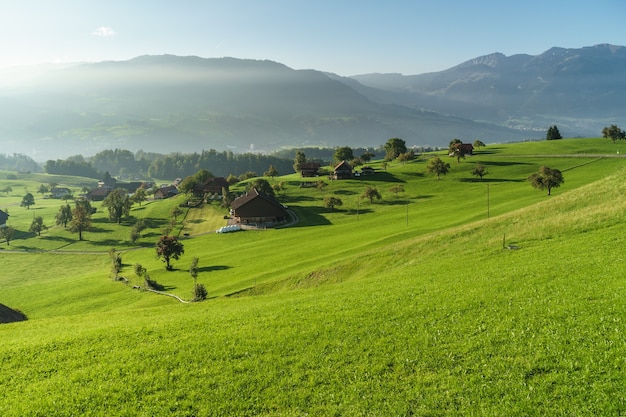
(559, 85)
(170, 103)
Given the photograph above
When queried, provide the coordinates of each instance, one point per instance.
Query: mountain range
(183, 104)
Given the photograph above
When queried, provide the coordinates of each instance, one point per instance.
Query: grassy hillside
(406, 306)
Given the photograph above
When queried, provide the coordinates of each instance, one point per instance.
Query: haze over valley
(167, 103)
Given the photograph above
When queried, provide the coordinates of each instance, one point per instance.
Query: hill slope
(364, 318)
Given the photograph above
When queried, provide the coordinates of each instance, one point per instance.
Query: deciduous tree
(81, 220)
(168, 248)
(614, 133)
(343, 154)
(37, 225)
(546, 178)
(479, 171)
(27, 201)
(332, 202)
(393, 148)
(438, 167)
(371, 193)
(118, 203)
(64, 215)
(6, 233)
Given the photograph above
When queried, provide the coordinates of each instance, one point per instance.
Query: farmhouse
(98, 194)
(165, 192)
(257, 208)
(211, 186)
(60, 192)
(3, 218)
(342, 171)
(309, 169)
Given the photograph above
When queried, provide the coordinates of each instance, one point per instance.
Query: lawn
(404, 306)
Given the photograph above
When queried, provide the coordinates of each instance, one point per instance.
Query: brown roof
(343, 166)
(251, 195)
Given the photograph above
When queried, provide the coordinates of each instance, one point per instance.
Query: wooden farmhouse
(165, 192)
(342, 171)
(211, 186)
(309, 169)
(257, 208)
(98, 194)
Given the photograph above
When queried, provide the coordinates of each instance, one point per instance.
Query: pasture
(405, 306)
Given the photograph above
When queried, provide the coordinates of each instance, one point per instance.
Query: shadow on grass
(59, 239)
(297, 199)
(311, 216)
(381, 177)
(360, 212)
(489, 180)
(213, 268)
(503, 163)
(345, 192)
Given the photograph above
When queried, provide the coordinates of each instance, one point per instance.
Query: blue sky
(346, 37)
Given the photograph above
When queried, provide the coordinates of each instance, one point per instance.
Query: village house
(60, 192)
(98, 194)
(309, 169)
(165, 192)
(211, 186)
(342, 171)
(257, 208)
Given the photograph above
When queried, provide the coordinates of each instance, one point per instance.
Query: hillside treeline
(18, 162)
(124, 164)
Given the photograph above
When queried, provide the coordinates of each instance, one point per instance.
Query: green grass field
(406, 306)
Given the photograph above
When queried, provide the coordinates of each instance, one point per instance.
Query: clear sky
(347, 37)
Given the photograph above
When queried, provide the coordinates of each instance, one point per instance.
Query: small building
(367, 170)
(60, 192)
(4, 216)
(98, 194)
(342, 171)
(309, 169)
(257, 208)
(131, 187)
(211, 186)
(165, 192)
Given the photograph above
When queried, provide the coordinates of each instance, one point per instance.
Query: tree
(371, 193)
(199, 291)
(168, 248)
(262, 186)
(438, 167)
(37, 225)
(27, 201)
(614, 133)
(553, 133)
(280, 187)
(479, 170)
(397, 189)
(175, 212)
(406, 156)
(298, 161)
(8, 189)
(140, 195)
(546, 178)
(118, 203)
(189, 183)
(271, 172)
(367, 156)
(116, 263)
(64, 215)
(6, 233)
(478, 144)
(81, 220)
(332, 202)
(393, 148)
(343, 154)
(43, 188)
(455, 149)
(135, 232)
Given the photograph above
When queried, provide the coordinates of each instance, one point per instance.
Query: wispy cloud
(104, 32)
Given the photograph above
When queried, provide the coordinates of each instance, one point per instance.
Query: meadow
(409, 305)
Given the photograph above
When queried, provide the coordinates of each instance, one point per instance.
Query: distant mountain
(185, 104)
(581, 90)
